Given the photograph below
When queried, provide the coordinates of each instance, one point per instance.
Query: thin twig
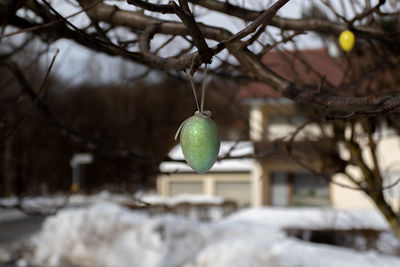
(51, 23)
(264, 18)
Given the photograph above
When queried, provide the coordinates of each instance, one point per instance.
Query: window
(298, 189)
(236, 191)
(309, 190)
(279, 189)
(178, 188)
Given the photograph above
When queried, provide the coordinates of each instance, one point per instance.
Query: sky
(77, 64)
(75, 60)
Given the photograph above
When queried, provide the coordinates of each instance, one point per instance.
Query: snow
(107, 234)
(312, 218)
(11, 214)
(234, 149)
(287, 253)
(183, 198)
(98, 230)
(52, 202)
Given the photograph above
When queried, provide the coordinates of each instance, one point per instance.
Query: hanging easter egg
(347, 40)
(200, 141)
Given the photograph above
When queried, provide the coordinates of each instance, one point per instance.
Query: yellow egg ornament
(347, 40)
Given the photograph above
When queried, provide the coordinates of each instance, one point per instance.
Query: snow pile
(195, 207)
(110, 235)
(154, 199)
(312, 218)
(287, 253)
(54, 201)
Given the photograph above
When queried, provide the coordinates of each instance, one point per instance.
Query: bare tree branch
(51, 23)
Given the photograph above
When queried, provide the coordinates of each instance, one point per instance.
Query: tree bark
(387, 212)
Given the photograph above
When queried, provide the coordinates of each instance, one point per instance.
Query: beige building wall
(344, 198)
(388, 152)
(256, 123)
(257, 185)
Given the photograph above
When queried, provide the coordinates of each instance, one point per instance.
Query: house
(229, 178)
(276, 179)
(281, 181)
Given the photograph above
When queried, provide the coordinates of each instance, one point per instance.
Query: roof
(226, 165)
(292, 65)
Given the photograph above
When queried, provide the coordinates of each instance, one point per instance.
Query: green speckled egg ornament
(199, 135)
(200, 141)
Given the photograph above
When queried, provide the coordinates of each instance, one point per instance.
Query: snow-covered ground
(110, 235)
(105, 233)
(51, 204)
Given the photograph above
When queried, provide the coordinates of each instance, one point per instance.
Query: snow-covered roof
(226, 165)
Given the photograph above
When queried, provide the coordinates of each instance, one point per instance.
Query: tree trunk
(388, 213)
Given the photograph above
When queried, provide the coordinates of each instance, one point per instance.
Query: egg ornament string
(347, 40)
(199, 135)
